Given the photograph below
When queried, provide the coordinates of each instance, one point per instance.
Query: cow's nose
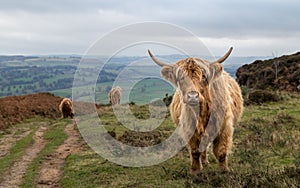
(193, 96)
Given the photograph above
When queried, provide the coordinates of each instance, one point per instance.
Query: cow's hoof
(195, 172)
(205, 162)
(224, 168)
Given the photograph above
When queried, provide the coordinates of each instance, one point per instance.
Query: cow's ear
(168, 72)
(215, 70)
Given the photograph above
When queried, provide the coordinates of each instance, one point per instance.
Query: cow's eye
(180, 79)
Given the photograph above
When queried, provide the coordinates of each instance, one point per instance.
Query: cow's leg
(203, 154)
(204, 158)
(196, 165)
(222, 144)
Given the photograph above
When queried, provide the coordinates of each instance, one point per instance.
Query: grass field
(265, 153)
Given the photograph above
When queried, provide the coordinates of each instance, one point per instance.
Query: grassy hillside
(265, 152)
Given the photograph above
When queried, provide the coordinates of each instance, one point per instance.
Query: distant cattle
(206, 106)
(66, 108)
(115, 95)
(167, 99)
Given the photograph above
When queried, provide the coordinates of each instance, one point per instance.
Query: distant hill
(282, 73)
(16, 58)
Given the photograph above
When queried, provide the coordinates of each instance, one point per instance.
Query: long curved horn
(160, 63)
(222, 59)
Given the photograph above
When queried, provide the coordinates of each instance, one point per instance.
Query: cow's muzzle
(193, 98)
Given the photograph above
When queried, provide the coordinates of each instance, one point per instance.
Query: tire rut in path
(13, 177)
(51, 170)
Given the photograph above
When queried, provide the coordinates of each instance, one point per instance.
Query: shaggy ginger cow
(206, 106)
(66, 108)
(115, 95)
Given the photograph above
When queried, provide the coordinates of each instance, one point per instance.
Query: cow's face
(190, 80)
(192, 77)
(189, 91)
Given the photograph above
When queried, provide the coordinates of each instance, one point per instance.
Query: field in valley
(20, 75)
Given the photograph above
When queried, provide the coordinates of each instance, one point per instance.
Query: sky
(253, 28)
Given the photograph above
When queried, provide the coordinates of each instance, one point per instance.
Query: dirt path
(51, 170)
(7, 141)
(13, 177)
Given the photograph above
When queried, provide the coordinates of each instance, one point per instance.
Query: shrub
(262, 96)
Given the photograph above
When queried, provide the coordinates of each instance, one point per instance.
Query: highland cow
(115, 95)
(66, 108)
(206, 106)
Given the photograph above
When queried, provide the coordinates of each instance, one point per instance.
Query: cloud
(66, 26)
(32, 32)
(253, 46)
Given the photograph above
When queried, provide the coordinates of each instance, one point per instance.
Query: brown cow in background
(206, 106)
(115, 95)
(66, 108)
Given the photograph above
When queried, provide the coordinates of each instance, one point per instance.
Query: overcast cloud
(254, 28)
